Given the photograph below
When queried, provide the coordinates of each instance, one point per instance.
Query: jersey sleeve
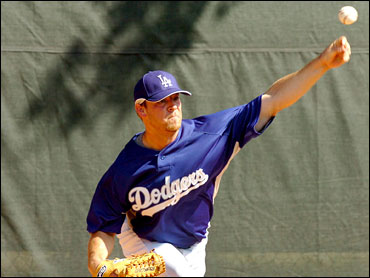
(238, 122)
(105, 213)
(243, 126)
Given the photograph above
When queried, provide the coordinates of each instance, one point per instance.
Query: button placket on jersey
(163, 160)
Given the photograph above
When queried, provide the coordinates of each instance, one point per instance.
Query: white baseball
(347, 15)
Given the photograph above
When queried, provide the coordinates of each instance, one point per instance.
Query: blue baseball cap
(155, 86)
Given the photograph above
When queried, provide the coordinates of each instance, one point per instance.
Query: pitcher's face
(165, 114)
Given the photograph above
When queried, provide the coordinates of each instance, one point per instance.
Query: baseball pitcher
(157, 196)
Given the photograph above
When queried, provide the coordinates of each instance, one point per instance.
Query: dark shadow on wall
(141, 36)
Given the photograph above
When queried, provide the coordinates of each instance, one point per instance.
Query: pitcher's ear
(140, 110)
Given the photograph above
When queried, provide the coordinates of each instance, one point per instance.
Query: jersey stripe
(218, 178)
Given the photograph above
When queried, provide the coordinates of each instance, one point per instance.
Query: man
(159, 192)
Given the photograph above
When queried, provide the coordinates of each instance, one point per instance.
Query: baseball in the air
(347, 15)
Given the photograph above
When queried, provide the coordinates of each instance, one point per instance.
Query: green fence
(294, 202)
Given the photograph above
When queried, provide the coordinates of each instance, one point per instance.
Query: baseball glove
(146, 265)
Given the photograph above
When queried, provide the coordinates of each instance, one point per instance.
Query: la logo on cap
(165, 81)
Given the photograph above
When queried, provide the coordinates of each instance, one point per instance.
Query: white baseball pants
(180, 262)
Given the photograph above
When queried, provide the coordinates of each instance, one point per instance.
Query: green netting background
(294, 202)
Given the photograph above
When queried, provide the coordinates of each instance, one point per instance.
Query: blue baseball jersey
(168, 195)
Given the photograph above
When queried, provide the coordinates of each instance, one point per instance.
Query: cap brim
(159, 98)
